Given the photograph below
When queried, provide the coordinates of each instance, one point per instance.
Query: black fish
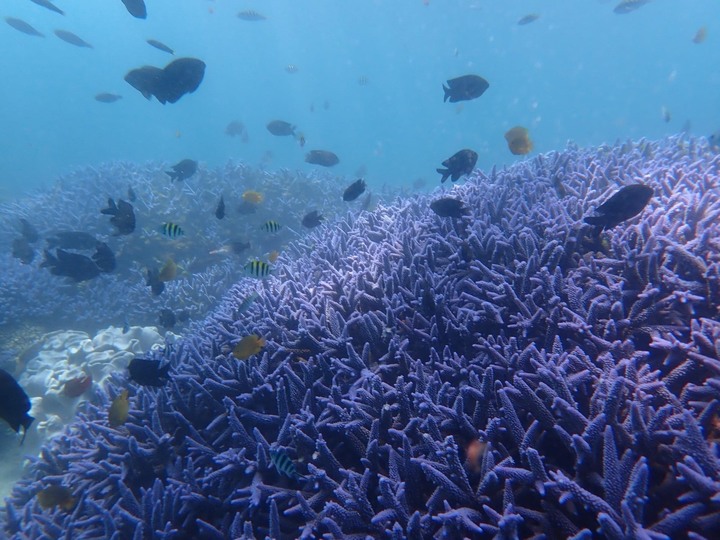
(167, 318)
(312, 219)
(527, 19)
(48, 5)
(247, 207)
(148, 372)
(448, 207)
(460, 163)
(73, 265)
(104, 257)
(160, 45)
(284, 464)
(22, 26)
(28, 231)
(251, 15)
(72, 39)
(281, 128)
(72, 240)
(123, 217)
(136, 8)
(220, 210)
(14, 404)
(168, 85)
(153, 281)
(183, 170)
(465, 88)
(131, 194)
(627, 6)
(354, 190)
(21, 249)
(106, 97)
(322, 157)
(623, 205)
(238, 246)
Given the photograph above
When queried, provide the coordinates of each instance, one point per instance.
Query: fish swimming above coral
(107, 97)
(518, 141)
(182, 170)
(119, 410)
(220, 209)
(22, 250)
(172, 230)
(14, 404)
(283, 464)
(465, 88)
(354, 190)
(449, 207)
(271, 226)
(104, 258)
(280, 128)
(77, 386)
(159, 45)
(72, 39)
(251, 15)
(527, 19)
(459, 164)
(56, 495)
(123, 216)
(628, 6)
(22, 26)
(48, 5)
(324, 158)
(148, 372)
(257, 268)
(169, 84)
(167, 319)
(312, 219)
(136, 8)
(73, 265)
(153, 281)
(248, 346)
(624, 204)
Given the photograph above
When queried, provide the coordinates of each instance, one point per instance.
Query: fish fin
(447, 93)
(172, 174)
(445, 173)
(163, 371)
(594, 220)
(112, 208)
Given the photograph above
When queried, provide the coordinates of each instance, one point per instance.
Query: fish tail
(172, 174)
(447, 93)
(594, 220)
(445, 174)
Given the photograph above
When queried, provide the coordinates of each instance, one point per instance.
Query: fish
(248, 346)
(119, 410)
(248, 301)
(168, 85)
(624, 204)
(251, 15)
(167, 318)
(367, 202)
(291, 68)
(126, 325)
(518, 141)
(14, 404)
(48, 5)
(246, 208)
(665, 114)
(252, 197)
(354, 190)
(154, 282)
(73, 265)
(148, 372)
(284, 465)
(55, 495)
(104, 258)
(448, 207)
(159, 45)
(527, 19)
(136, 8)
(627, 6)
(22, 250)
(220, 209)
(363, 80)
(257, 268)
(173, 230)
(235, 128)
(700, 35)
(183, 170)
(465, 88)
(312, 219)
(273, 256)
(131, 194)
(72, 39)
(271, 226)
(28, 231)
(280, 128)
(322, 157)
(77, 386)
(22, 26)
(107, 97)
(123, 216)
(238, 246)
(459, 164)
(72, 240)
(168, 272)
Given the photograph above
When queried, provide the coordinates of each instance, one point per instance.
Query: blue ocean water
(580, 72)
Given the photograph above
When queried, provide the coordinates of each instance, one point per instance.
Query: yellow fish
(169, 271)
(119, 410)
(248, 346)
(55, 495)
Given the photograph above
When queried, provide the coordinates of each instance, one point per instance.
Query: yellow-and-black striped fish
(284, 464)
(173, 230)
(271, 226)
(258, 268)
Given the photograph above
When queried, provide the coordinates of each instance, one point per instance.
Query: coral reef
(30, 293)
(502, 375)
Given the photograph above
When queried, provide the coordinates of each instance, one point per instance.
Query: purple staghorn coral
(398, 343)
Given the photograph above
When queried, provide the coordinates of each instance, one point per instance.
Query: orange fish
(700, 35)
(475, 452)
(273, 256)
(252, 197)
(518, 141)
(248, 346)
